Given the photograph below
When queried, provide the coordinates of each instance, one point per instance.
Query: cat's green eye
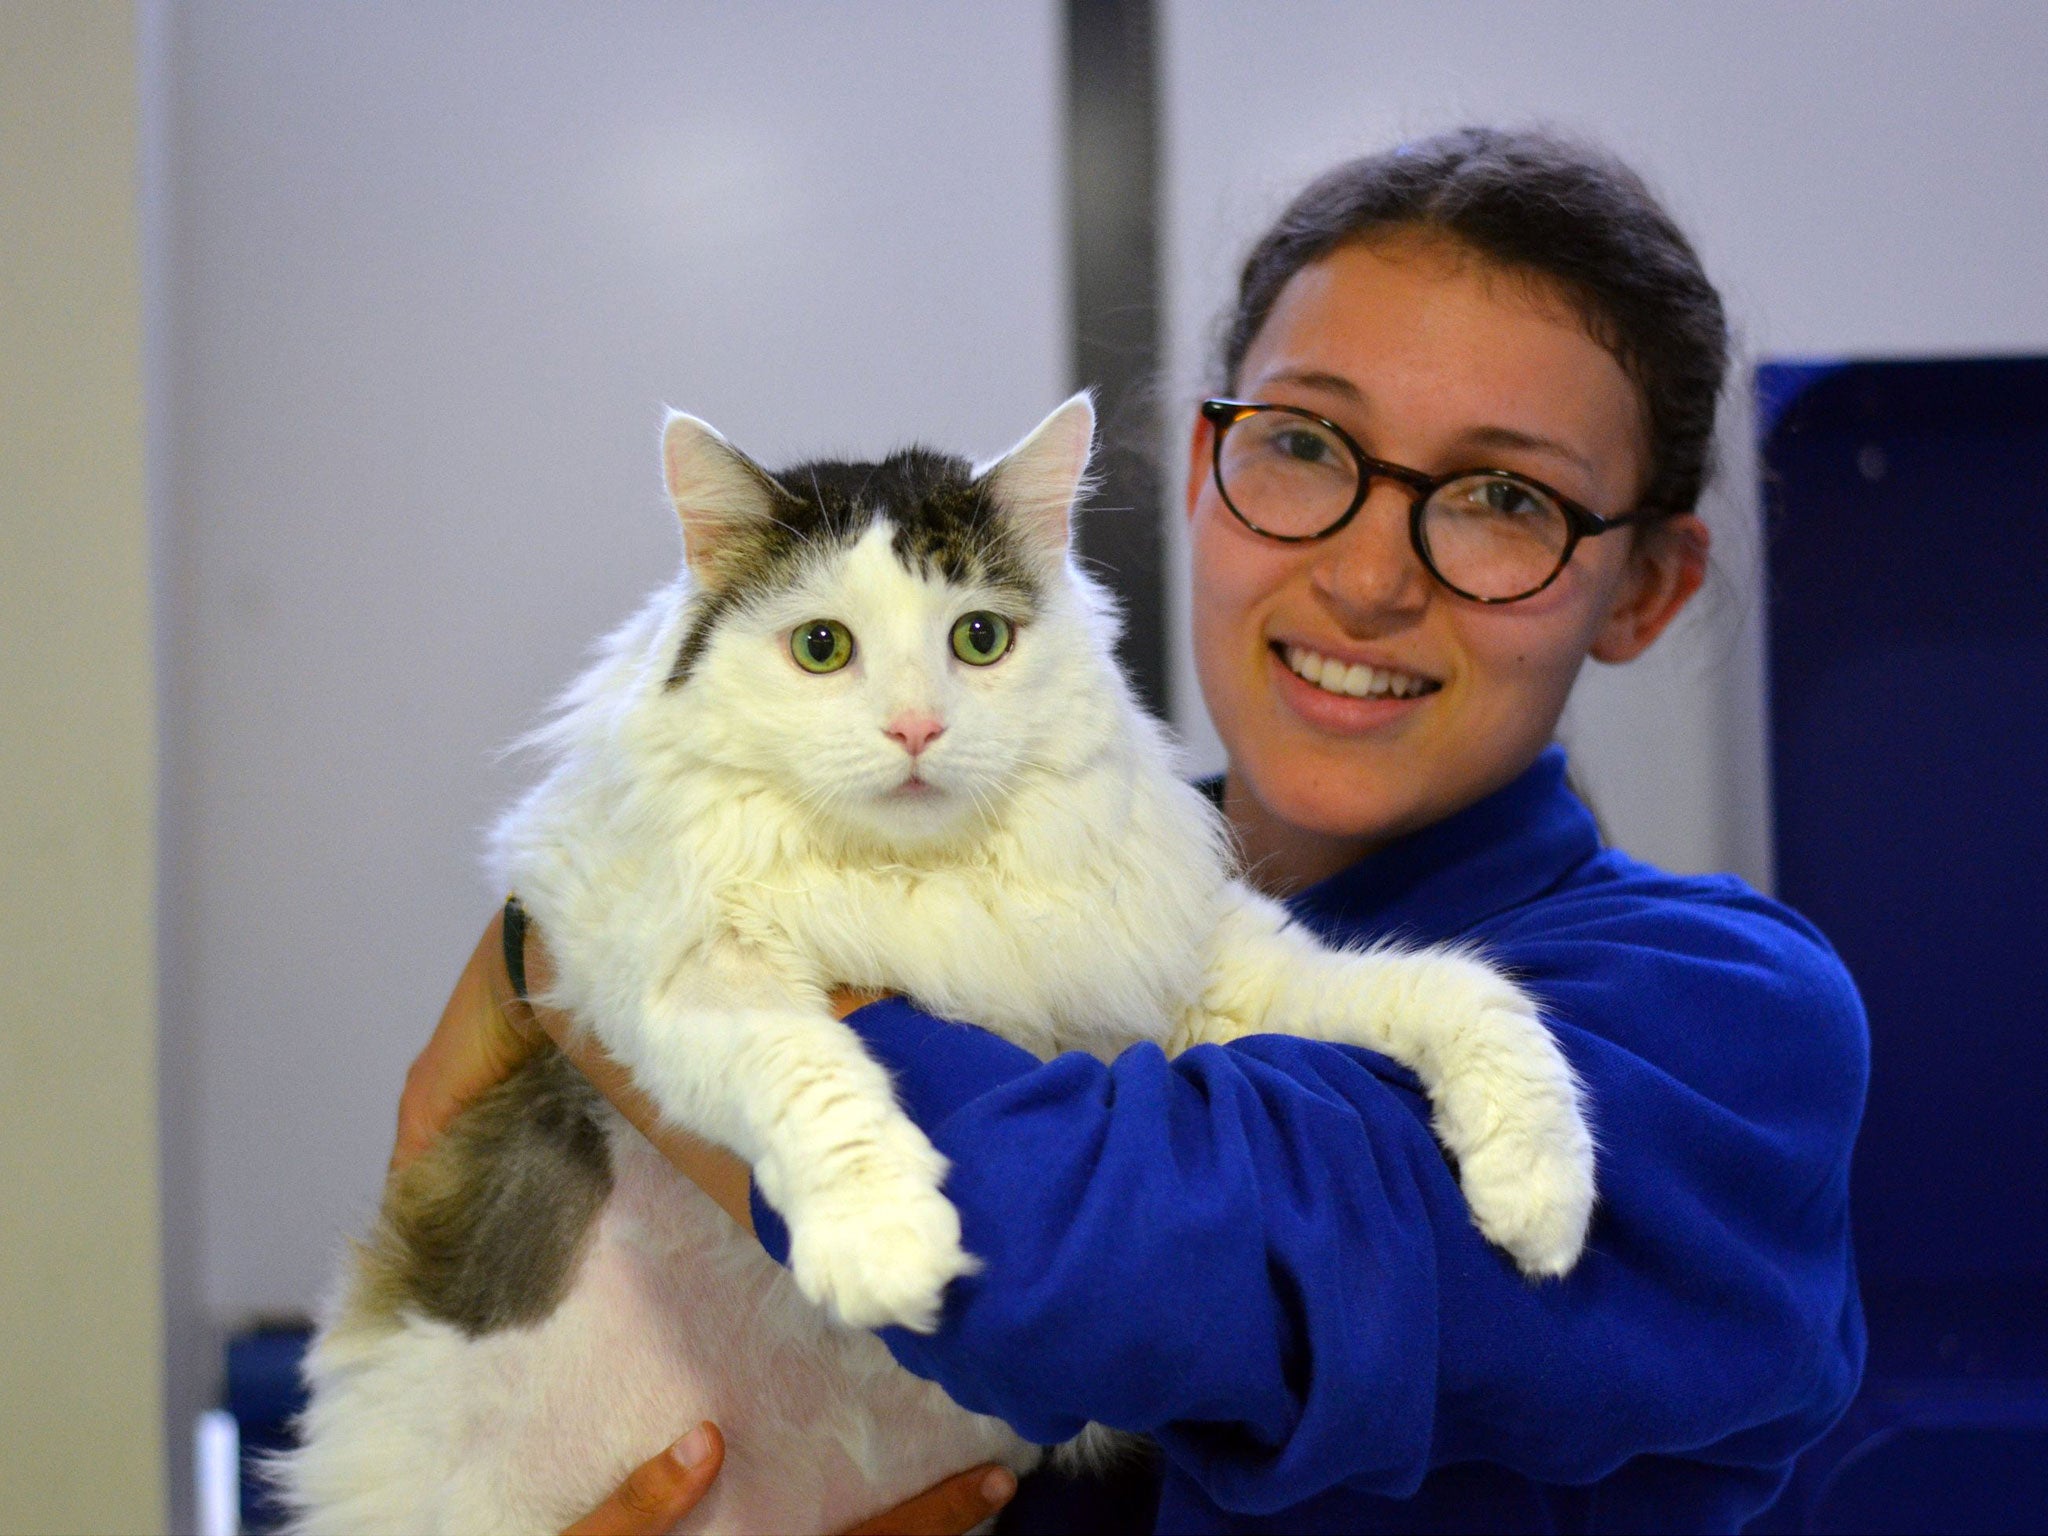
(980, 638)
(823, 645)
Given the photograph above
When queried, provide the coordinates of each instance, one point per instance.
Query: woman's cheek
(1517, 676)
(1226, 596)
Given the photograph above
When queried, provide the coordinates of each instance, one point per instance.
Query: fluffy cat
(874, 736)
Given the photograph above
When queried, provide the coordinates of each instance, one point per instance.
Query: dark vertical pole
(1113, 182)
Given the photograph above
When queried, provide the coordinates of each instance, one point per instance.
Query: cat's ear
(1038, 482)
(722, 497)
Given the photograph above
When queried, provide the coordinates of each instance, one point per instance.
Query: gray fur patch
(484, 1230)
(946, 525)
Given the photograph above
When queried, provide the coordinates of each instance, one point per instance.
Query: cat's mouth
(914, 788)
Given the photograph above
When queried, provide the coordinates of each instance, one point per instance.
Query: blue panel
(1943, 1479)
(1908, 592)
(1779, 386)
(1909, 699)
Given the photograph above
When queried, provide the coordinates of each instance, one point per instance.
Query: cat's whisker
(984, 804)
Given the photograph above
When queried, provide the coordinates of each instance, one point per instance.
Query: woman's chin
(1346, 798)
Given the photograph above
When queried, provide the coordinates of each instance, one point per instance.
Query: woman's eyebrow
(1476, 438)
(1330, 383)
(1509, 437)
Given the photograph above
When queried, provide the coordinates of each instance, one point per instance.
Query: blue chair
(266, 1396)
(1907, 513)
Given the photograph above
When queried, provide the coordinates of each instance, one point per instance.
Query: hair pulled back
(1537, 203)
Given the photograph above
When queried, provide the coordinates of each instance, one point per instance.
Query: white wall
(1860, 179)
(429, 274)
(81, 1343)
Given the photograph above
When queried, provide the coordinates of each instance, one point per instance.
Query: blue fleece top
(1257, 1255)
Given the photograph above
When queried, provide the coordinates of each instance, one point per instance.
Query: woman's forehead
(1428, 350)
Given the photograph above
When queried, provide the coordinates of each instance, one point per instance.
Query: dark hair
(1537, 203)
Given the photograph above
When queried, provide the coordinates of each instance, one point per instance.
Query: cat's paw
(1532, 1194)
(878, 1249)
(1513, 1117)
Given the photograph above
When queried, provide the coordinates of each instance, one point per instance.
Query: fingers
(660, 1491)
(845, 1000)
(950, 1508)
(483, 1034)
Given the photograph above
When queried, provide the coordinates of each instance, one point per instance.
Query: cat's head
(899, 646)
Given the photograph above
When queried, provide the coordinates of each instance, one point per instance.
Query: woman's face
(1430, 358)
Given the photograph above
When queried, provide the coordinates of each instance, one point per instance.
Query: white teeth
(1358, 681)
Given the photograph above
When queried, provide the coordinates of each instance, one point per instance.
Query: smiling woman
(1428, 354)
(1451, 370)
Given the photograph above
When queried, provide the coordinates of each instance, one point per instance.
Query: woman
(1470, 388)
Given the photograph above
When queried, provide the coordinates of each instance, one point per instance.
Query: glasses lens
(1494, 536)
(1286, 474)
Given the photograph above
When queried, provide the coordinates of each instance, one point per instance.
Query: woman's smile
(1344, 697)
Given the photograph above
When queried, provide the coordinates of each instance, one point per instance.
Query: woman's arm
(1258, 1255)
(483, 1033)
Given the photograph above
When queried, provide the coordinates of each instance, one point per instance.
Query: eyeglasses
(1488, 534)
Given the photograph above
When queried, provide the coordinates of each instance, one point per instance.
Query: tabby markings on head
(947, 524)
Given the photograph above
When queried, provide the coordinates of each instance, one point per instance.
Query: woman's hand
(484, 1033)
(663, 1489)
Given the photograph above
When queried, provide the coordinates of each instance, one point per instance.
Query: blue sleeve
(1257, 1254)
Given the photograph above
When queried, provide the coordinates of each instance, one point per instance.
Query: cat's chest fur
(1079, 922)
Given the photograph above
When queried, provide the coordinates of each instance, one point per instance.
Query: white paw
(1532, 1194)
(1512, 1117)
(878, 1247)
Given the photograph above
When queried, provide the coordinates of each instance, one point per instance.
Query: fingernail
(998, 1486)
(693, 1447)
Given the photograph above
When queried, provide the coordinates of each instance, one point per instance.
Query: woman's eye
(980, 638)
(822, 645)
(1302, 445)
(1509, 499)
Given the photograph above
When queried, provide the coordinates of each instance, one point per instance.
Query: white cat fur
(706, 862)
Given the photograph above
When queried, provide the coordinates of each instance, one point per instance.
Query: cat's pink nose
(914, 730)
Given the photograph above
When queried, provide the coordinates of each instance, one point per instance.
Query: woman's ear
(1664, 570)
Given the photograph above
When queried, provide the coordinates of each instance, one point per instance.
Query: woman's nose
(1370, 571)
